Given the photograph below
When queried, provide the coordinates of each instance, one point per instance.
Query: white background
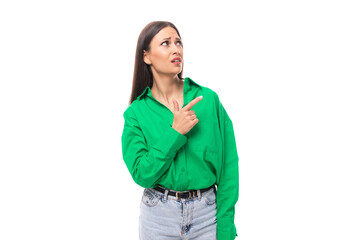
(286, 71)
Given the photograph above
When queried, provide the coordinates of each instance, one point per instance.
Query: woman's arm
(147, 164)
(228, 181)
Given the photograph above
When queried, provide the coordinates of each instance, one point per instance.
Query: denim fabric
(164, 217)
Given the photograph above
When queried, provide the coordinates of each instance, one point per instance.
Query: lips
(177, 58)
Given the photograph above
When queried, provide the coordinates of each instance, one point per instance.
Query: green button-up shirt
(156, 154)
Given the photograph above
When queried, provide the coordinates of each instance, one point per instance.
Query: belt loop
(166, 195)
(199, 194)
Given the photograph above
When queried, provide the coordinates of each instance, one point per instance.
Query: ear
(146, 59)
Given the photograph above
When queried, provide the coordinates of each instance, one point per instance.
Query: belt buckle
(177, 194)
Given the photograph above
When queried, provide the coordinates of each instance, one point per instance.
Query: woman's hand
(185, 119)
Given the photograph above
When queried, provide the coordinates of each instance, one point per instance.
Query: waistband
(184, 194)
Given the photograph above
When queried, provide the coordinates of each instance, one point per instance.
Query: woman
(187, 162)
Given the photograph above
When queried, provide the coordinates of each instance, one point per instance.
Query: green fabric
(156, 154)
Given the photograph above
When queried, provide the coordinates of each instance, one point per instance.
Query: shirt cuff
(171, 141)
(226, 234)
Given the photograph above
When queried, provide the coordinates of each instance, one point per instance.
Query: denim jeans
(164, 217)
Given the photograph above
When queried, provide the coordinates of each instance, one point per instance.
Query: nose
(176, 48)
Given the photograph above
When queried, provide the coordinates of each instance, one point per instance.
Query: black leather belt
(184, 194)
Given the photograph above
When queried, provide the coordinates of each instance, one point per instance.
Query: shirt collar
(188, 83)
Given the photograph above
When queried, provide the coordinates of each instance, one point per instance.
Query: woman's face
(164, 47)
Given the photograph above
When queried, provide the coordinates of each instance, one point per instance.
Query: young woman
(178, 143)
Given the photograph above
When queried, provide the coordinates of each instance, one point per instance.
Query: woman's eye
(168, 41)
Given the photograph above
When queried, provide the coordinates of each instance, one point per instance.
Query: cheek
(160, 59)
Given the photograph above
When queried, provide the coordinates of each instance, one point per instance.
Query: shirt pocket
(207, 163)
(205, 136)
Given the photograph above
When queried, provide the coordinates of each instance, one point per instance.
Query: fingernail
(201, 97)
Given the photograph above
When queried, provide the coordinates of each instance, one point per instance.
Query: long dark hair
(142, 72)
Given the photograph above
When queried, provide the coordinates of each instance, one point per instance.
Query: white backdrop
(286, 71)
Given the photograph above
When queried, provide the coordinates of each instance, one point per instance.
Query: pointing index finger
(192, 103)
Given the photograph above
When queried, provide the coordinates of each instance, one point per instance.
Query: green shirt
(157, 154)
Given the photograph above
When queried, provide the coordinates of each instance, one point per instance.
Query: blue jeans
(164, 217)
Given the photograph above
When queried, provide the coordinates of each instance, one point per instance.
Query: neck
(164, 88)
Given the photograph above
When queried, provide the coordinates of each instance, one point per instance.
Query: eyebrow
(170, 37)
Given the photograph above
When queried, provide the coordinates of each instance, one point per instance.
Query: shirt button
(182, 169)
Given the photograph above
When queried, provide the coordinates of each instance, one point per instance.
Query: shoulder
(204, 89)
(130, 110)
(135, 110)
(211, 94)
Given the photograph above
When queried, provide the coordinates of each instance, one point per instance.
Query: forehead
(165, 33)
